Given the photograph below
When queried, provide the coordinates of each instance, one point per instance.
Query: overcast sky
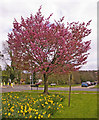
(73, 10)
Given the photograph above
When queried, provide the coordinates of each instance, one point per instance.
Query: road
(27, 87)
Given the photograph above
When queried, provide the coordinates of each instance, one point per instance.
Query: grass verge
(60, 85)
(82, 106)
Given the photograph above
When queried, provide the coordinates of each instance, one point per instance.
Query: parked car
(53, 84)
(92, 83)
(84, 84)
(89, 83)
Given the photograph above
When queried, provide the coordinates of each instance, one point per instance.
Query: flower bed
(22, 105)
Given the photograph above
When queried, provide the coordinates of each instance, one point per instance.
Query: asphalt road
(27, 87)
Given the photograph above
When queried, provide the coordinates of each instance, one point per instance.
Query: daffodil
(8, 104)
(41, 116)
(21, 111)
(38, 117)
(12, 110)
(36, 113)
(5, 113)
(30, 109)
(22, 107)
(46, 102)
(44, 112)
(9, 114)
(49, 107)
(49, 115)
(30, 116)
(41, 94)
(23, 114)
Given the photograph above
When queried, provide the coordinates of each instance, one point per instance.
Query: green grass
(60, 91)
(82, 105)
(61, 85)
(97, 86)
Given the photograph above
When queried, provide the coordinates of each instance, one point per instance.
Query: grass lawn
(97, 86)
(61, 85)
(82, 105)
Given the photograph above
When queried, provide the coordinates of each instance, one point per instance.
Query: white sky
(73, 10)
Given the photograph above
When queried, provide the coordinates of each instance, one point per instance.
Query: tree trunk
(69, 95)
(45, 84)
(70, 77)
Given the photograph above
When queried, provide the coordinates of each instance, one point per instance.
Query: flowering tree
(39, 45)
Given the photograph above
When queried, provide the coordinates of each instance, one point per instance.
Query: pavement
(17, 88)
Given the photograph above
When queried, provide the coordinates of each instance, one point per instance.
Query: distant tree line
(59, 79)
(78, 77)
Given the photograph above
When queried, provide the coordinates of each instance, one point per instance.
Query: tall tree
(39, 45)
(7, 59)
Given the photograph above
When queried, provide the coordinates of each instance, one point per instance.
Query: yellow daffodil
(53, 95)
(49, 115)
(46, 102)
(30, 116)
(27, 104)
(22, 107)
(38, 117)
(44, 112)
(49, 107)
(41, 116)
(36, 113)
(12, 110)
(30, 109)
(42, 104)
(12, 106)
(21, 111)
(9, 114)
(41, 94)
(8, 104)
(23, 114)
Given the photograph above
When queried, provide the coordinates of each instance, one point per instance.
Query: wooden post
(8, 83)
(4, 83)
(70, 78)
(1, 84)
